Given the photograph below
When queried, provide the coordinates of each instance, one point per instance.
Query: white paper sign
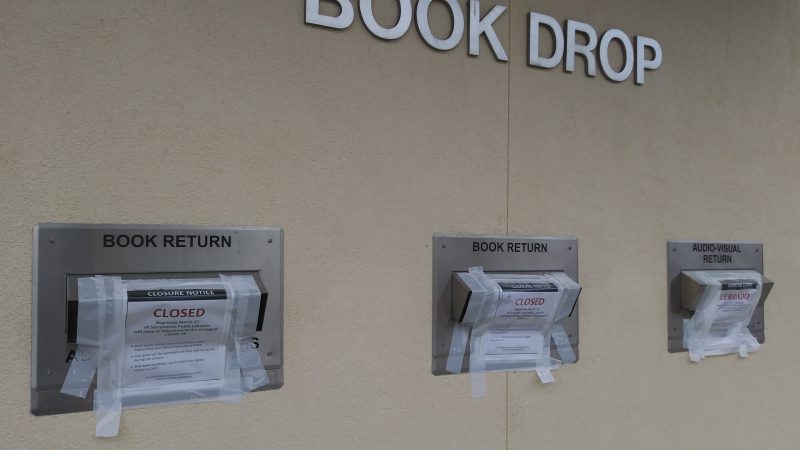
(734, 305)
(526, 311)
(175, 335)
(513, 342)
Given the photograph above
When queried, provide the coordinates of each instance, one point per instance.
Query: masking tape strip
(80, 373)
(545, 376)
(108, 397)
(229, 387)
(461, 341)
(83, 367)
(743, 350)
(481, 307)
(248, 303)
(108, 410)
(685, 333)
(478, 382)
(458, 348)
(563, 345)
(700, 323)
(487, 305)
(477, 366)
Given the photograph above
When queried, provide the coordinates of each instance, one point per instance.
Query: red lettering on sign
(530, 301)
(186, 312)
(737, 296)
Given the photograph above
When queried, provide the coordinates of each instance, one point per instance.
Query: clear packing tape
(157, 342)
(719, 324)
(509, 323)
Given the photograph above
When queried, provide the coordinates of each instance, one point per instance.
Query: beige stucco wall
(239, 113)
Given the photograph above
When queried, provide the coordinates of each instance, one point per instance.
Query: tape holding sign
(724, 309)
(165, 342)
(511, 320)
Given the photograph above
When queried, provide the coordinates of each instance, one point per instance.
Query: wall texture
(238, 113)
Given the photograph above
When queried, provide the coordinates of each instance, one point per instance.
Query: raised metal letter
(397, 31)
(343, 20)
(574, 27)
(535, 22)
(627, 50)
(478, 26)
(425, 29)
(642, 64)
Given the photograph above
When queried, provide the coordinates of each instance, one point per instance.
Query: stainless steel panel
(455, 253)
(766, 288)
(61, 250)
(683, 256)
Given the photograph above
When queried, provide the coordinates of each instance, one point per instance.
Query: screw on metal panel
(52, 240)
(756, 250)
(269, 241)
(49, 371)
(570, 247)
(269, 353)
(444, 246)
(674, 249)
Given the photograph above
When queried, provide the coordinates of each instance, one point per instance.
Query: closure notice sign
(175, 335)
